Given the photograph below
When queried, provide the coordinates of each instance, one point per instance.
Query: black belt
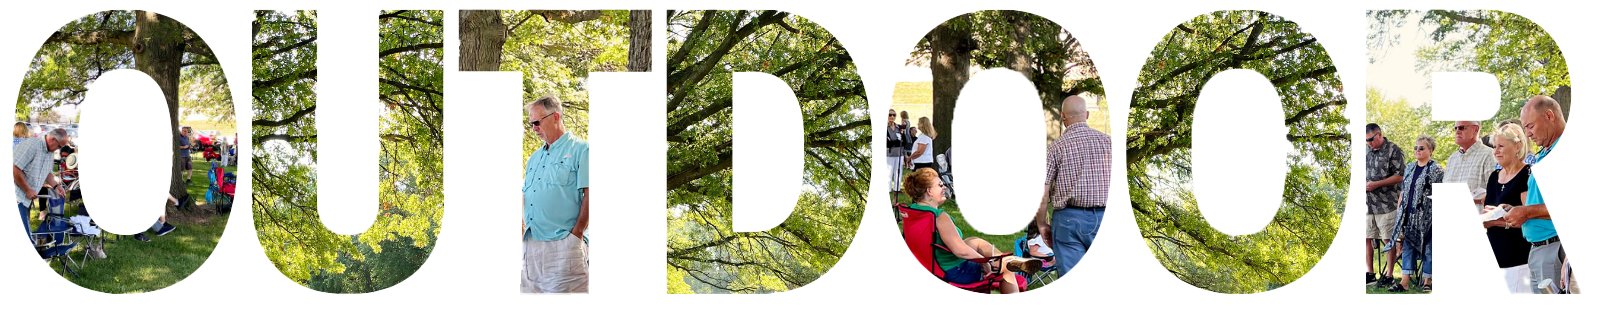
(1554, 239)
(1097, 208)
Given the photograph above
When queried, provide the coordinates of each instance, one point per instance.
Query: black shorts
(188, 165)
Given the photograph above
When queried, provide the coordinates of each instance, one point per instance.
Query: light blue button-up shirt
(554, 177)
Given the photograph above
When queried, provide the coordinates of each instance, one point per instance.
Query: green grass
(133, 266)
(1396, 272)
(198, 176)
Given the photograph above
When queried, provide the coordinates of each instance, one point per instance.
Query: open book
(1492, 213)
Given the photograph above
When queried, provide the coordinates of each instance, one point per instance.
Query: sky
(1392, 72)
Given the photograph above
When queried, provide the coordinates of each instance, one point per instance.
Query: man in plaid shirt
(31, 166)
(1473, 162)
(1078, 171)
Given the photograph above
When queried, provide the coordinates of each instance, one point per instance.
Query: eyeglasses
(891, 115)
(1418, 148)
(1460, 128)
(1371, 138)
(538, 121)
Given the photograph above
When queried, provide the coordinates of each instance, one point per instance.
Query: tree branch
(284, 49)
(293, 118)
(288, 78)
(398, 15)
(408, 48)
(93, 37)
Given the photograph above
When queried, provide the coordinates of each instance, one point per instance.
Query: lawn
(198, 177)
(1396, 271)
(133, 266)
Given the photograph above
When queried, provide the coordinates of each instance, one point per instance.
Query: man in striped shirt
(1078, 172)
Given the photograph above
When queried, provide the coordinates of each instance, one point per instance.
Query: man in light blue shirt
(555, 205)
(1543, 121)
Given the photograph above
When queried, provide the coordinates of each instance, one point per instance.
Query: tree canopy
(704, 255)
(175, 57)
(1159, 160)
(1514, 50)
(284, 196)
(1043, 51)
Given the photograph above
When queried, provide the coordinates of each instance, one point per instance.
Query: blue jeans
(1074, 230)
(23, 208)
(1411, 254)
(966, 273)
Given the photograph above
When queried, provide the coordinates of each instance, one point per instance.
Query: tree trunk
(641, 55)
(951, 62)
(158, 51)
(1562, 95)
(481, 36)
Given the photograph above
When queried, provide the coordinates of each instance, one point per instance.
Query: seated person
(1037, 247)
(924, 187)
(161, 227)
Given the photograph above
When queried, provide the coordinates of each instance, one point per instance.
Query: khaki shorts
(558, 266)
(1380, 225)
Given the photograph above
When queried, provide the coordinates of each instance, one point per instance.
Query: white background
(473, 269)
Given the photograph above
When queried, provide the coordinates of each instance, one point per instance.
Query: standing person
(895, 144)
(1078, 172)
(922, 156)
(909, 132)
(184, 152)
(556, 196)
(1385, 162)
(31, 167)
(1413, 213)
(1472, 163)
(19, 132)
(1544, 122)
(1507, 186)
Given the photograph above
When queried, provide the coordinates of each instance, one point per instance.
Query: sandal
(1397, 288)
(1425, 288)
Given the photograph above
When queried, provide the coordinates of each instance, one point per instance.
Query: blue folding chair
(52, 240)
(1047, 272)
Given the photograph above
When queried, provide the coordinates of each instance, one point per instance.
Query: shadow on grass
(133, 266)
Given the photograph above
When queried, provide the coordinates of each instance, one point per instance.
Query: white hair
(60, 135)
(549, 104)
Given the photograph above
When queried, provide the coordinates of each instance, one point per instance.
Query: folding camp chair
(220, 188)
(1047, 272)
(920, 227)
(53, 242)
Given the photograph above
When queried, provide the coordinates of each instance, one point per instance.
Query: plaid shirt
(1384, 163)
(1471, 166)
(30, 156)
(1078, 167)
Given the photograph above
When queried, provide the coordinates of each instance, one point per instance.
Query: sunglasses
(538, 122)
(892, 115)
(1371, 138)
(1418, 148)
(1460, 128)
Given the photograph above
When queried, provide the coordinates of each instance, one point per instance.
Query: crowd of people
(1503, 191)
(1078, 176)
(909, 147)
